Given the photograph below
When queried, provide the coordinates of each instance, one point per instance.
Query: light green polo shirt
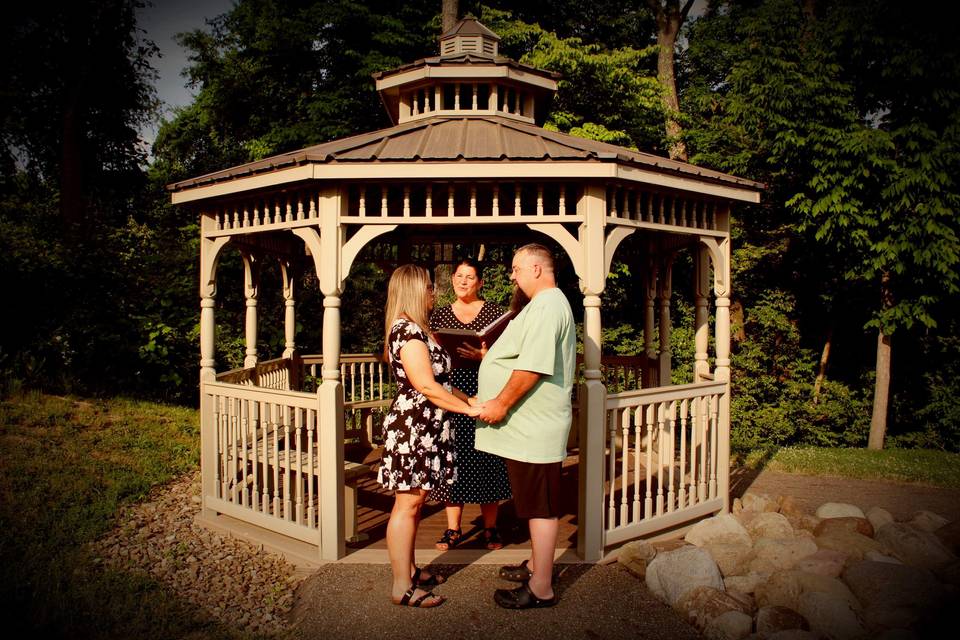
(542, 338)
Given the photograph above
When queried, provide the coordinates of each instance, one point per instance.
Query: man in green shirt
(525, 382)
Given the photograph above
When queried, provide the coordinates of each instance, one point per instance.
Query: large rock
(790, 507)
(889, 586)
(769, 525)
(635, 556)
(825, 562)
(773, 619)
(853, 544)
(949, 535)
(785, 588)
(794, 634)
(914, 546)
(948, 573)
(839, 510)
(672, 573)
(719, 529)
(879, 517)
(856, 525)
(701, 605)
(771, 555)
(732, 625)
(830, 617)
(746, 583)
(759, 502)
(732, 558)
(927, 521)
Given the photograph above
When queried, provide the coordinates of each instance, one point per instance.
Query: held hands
(474, 410)
(493, 411)
(472, 353)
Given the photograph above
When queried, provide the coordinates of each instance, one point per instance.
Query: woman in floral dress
(418, 451)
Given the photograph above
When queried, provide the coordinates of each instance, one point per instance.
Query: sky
(162, 22)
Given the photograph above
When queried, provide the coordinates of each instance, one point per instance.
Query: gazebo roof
(468, 139)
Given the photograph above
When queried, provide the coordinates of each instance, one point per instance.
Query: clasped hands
(491, 411)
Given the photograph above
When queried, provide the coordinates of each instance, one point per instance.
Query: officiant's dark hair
(470, 261)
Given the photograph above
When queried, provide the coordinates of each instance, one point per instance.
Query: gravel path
(596, 601)
(255, 591)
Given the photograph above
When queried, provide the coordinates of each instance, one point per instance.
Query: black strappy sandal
(406, 600)
(449, 540)
(433, 581)
(492, 538)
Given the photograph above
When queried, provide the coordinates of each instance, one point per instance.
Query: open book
(453, 338)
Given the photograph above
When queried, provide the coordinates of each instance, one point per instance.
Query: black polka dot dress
(481, 477)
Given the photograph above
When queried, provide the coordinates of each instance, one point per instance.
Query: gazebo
(466, 158)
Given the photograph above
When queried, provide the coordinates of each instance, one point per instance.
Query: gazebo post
(209, 255)
(287, 272)
(649, 318)
(593, 395)
(330, 393)
(251, 286)
(701, 276)
(664, 293)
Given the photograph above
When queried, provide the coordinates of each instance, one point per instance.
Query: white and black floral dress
(418, 450)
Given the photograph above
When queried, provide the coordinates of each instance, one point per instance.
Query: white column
(593, 394)
(721, 287)
(649, 319)
(330, 393)
(701, 367)
(664, 293)
(251, 285)
(289, 310)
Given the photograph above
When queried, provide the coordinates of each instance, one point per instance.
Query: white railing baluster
(624, 471)
(612, 470)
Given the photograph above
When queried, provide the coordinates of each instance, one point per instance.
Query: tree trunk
(881, 390)
(71, 166)
(824, 361)
(881, 393)
(670, 17)
(450, 13)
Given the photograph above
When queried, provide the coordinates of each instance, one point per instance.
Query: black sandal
(449, 539)
(433, 581)
(493, 539)
(516, 572)
(406, 601)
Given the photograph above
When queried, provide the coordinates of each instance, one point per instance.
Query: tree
(670, 17)
(850, 113)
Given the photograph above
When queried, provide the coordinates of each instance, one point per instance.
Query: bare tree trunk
(824, 361)
(670, 17)
(881, 391)
(71, 165)
(450, 13)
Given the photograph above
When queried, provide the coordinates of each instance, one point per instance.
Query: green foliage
(773, 378)
(116, 451)
(937, 468)
(604, 94)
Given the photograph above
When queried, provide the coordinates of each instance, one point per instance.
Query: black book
(453, 338)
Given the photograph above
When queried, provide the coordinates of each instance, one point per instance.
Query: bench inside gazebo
(465, 163)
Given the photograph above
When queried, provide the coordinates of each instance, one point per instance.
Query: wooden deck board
(374, 504)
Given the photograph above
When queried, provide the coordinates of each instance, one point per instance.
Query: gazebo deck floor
(374, 504)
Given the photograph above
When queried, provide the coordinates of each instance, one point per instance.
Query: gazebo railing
(268, 374)
(662, 458)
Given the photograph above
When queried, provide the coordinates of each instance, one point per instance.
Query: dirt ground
(596, 601)
(901, 499)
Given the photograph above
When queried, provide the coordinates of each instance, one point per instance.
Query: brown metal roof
(468, 26)
(472, 138)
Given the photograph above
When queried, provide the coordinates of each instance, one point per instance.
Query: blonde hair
(407, 296)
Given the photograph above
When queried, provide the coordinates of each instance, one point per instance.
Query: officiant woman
(481, 477)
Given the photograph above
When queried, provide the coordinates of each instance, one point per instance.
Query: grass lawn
(67, 465)
(923, 466)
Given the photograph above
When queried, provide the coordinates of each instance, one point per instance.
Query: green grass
(67, 465)
(922, 466)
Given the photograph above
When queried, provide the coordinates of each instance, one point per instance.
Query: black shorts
(536, 488)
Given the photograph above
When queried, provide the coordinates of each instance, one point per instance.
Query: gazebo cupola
(468, 78)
